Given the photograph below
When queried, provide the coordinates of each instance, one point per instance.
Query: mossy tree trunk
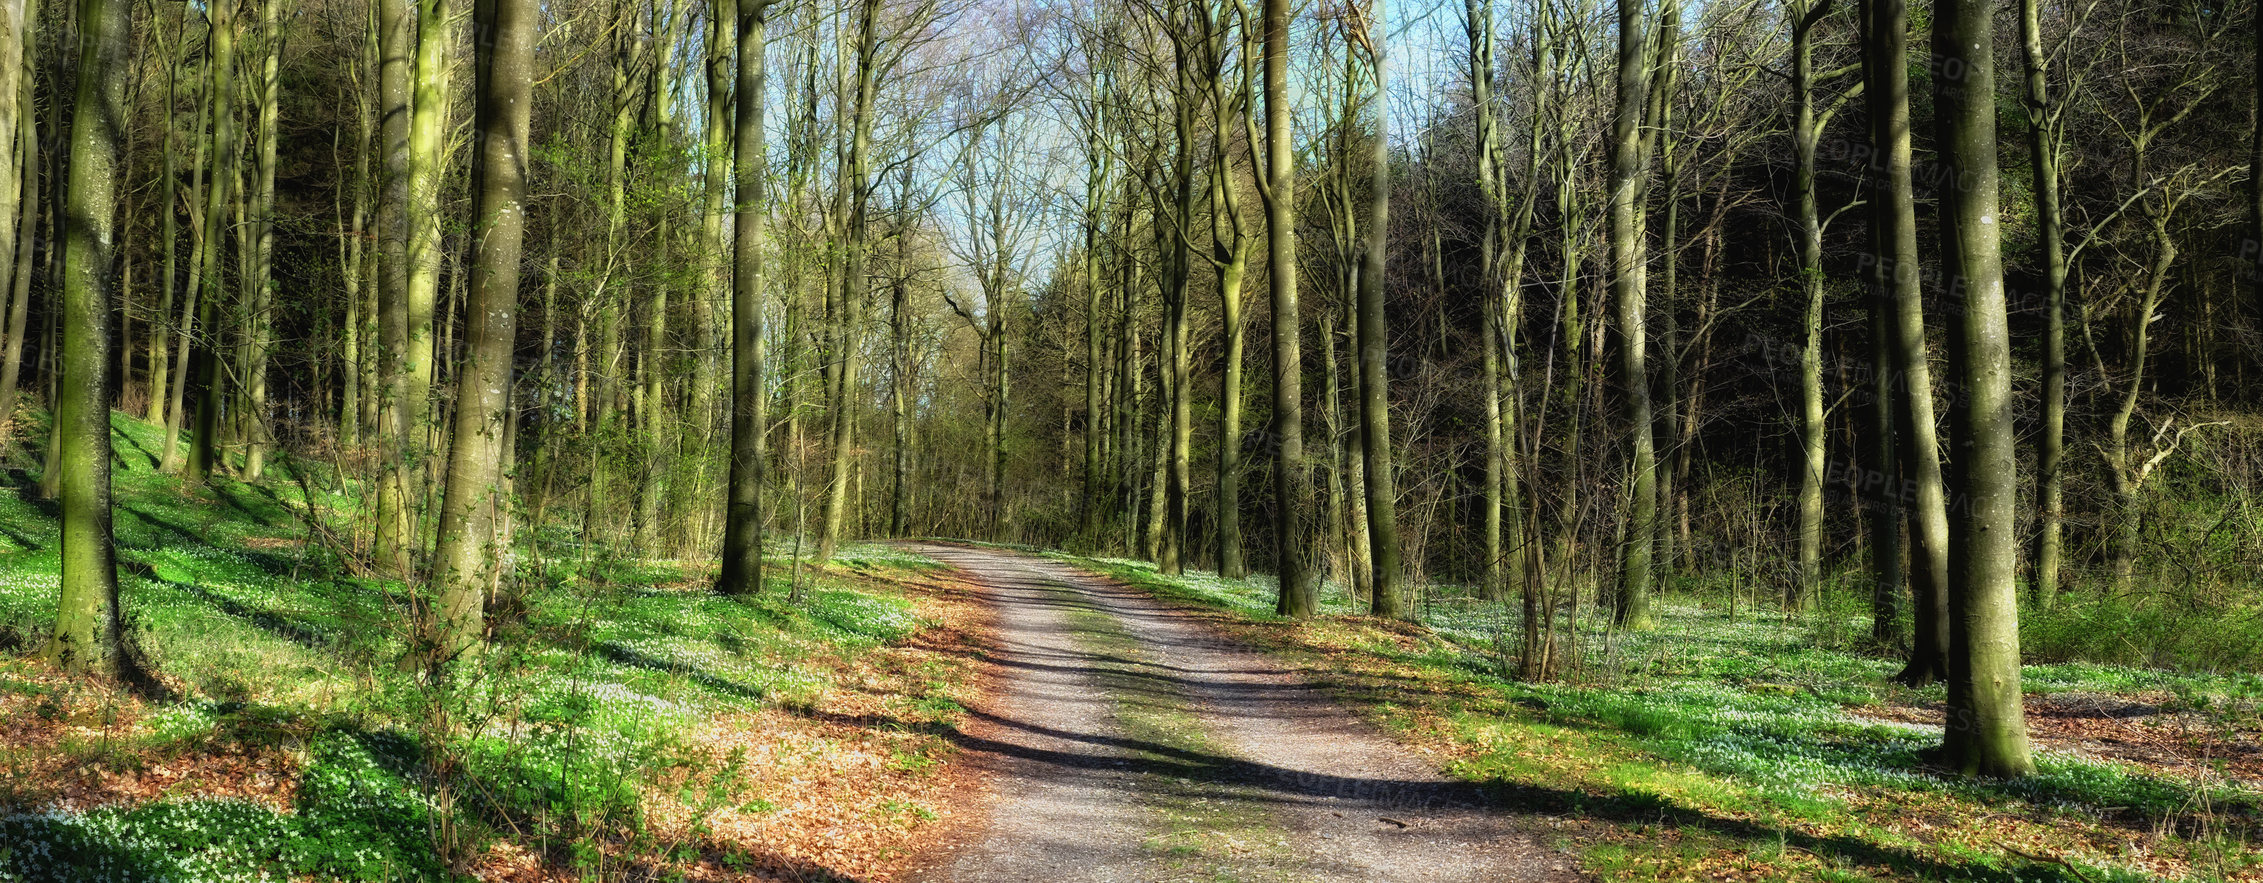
(1986, 729)
(1629, 294)
(396, 61)
(1894, 232)
(2043, 157)
(22, 188)
(259, 295)
(87, 619)
(1294, 518)
(1374, 345)
(468, 548)
(227, 146)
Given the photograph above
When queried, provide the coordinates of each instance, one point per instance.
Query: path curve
(1127, 742)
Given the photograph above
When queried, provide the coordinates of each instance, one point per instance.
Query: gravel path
(1126, 742)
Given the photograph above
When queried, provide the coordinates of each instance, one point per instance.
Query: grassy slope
(625, 718)
(1730, 747)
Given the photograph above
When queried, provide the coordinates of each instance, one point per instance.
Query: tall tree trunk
(24, 216)
(174, 458)
(1807, 133)
(1894, 226)
(900, 395)
(858, 179)
(659, 429)
(1233, 267)
(1628, 290)
(2043, 156)
(361, 347)
(1879, 487)
(87, 618)
(714, 287)
(1510, 552)
(1374, 348)
(468, 551)
(1292, 477)
(428, 154)
(259, 294)
(1669, 430)
(15, 190)
(1986, 729)
(1100, 164)
(742, 529)
(396, 25)
(1174, 249)
(204, 452)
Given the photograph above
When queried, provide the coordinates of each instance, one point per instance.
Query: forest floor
(1128, 742)
(897, 718)
(1735, 742)
(627, 724)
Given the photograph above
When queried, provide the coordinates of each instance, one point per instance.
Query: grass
(1724, 746)
(624, 716)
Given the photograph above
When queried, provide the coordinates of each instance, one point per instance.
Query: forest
(716, 439)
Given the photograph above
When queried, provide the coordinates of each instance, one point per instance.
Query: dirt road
(1126, 742)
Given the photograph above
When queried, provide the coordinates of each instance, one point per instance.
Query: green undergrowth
(601, 664)
(1739, 745)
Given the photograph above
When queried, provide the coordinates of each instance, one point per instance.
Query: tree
(1807, 133)
(1230, 248)
(1987, 729)
(1293, 525)
(1510, 553)
(1893, 221)
(2043, 136)
(1374, 341)
(87, 618)
(1628, 290)
(16, 115)
(743, 521)
(396, 56)
(468, 541)
(226, 154)
(257, 243)
(22, 187)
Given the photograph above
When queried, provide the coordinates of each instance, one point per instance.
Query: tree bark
(396, 34)
(2043, 156)
(259, 292)
(856, 176)
(16, 112)
(468, 550)
(87, 619)
(1986, 728)
(1292, 477)
(1374, 349)
(1231, 249)
(1894, 226)
(714, 289)
(1100, 165)
(360, 345)
(1807, 133)
(204, 451)
(25, 176)
(1628, 291)
(743, 528)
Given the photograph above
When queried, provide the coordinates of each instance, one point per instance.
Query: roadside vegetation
(624, 721)
(1737, 742)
